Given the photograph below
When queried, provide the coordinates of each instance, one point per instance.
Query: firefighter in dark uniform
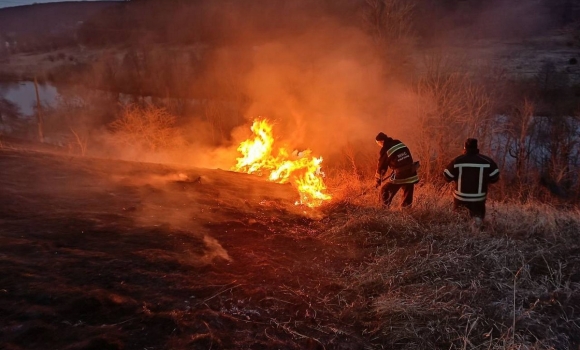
(472, 173)
(396, 156)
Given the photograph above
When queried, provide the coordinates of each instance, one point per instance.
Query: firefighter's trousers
(389, 190)
(476, 209)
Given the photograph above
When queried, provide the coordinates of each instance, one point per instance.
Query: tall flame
(299, 168)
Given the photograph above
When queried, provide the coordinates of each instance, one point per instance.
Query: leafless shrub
(9, 113)
(454, 106)
(149, 126)
(389, 20)
(559, 160)
(80, 142)
(520, 127)
(390, 24)
(217, 114)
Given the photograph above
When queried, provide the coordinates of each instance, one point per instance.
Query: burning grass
(261, 155)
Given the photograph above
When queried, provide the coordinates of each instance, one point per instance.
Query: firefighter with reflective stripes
(472, 173)
(396, 156)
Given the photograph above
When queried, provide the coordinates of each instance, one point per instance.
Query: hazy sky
(10, 3)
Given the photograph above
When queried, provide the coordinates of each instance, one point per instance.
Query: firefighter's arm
(494, 173)
(382, 167)
(449, 172)
(383, 164)
(379, 176)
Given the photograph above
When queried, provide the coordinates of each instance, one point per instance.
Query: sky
(11, 3)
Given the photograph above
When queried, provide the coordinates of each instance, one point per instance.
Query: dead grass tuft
(429, 282)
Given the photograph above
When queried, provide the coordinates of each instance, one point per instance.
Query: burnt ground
(105, 254)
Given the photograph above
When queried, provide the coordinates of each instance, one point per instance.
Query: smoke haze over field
(327, 82)
(325, 88)
(320, 79)
(322, 82)
(328, 74)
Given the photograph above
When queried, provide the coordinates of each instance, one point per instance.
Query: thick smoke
(315, 70)
(324, 89)
(322, 82)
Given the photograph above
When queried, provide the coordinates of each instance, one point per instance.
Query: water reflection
(24, 96)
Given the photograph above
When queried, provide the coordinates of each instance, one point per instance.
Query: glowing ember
(300, 169)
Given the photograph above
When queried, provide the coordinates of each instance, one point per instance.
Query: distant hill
(49, 18)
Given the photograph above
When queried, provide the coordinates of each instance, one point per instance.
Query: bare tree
(39, 113)
(453, 107)
(520, 127)
(9, 111)
(389, 20)
(80, 142)
(390, 24)
(560, 140)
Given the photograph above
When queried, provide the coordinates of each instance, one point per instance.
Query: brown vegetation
(434, 284)
(146, 126)
(111, 254)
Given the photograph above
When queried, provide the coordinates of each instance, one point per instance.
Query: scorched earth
(104, 254)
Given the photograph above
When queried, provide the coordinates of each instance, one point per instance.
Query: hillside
(49, 18)
(66, 41)
(153, 256)
(105, 254)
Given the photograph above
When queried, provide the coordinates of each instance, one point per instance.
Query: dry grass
(428, 281)
(361, 277)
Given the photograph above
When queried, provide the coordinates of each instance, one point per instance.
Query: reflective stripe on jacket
(472, 173)
(395, 155)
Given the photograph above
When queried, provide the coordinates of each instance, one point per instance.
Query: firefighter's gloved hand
(378, 184)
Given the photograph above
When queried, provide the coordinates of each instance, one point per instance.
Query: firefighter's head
(470, 145)
(381, 138)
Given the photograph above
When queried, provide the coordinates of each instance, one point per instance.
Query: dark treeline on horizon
(220, 21)
(226, 21)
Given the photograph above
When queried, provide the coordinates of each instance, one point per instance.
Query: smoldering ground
(107, 253)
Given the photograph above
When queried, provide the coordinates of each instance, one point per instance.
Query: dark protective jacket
(395, 155)
(472, 172)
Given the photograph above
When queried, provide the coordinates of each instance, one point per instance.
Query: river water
(23, 95)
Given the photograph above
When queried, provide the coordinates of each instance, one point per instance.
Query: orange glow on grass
(259, 156)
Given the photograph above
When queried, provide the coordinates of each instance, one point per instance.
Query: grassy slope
(430, 282)
(46, 18)
(102, 254)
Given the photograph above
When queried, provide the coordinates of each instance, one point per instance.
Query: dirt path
(99, 254)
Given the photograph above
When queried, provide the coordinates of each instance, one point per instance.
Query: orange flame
(300, 169)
